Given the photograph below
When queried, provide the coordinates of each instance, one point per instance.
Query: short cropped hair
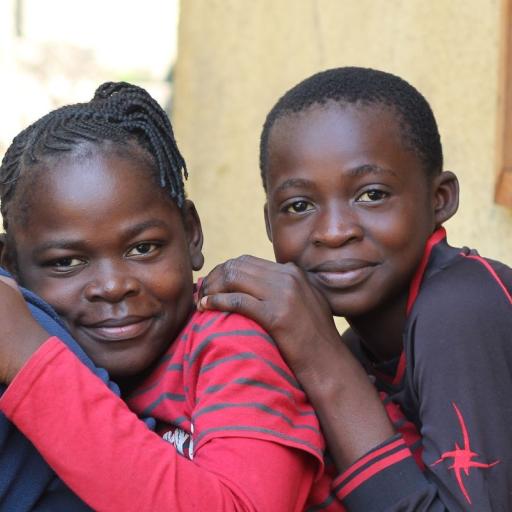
(365, 87)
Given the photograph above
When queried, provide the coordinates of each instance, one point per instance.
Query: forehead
(331, 123)
(93, 188)
(339, 137)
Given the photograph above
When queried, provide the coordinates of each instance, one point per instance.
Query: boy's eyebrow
(360, 170)
(293, 183)
(369, 169)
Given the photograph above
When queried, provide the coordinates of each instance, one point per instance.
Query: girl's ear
(194, 234)
(267, 222)
(446, 196)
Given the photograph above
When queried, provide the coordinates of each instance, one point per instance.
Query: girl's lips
(126, 331)
(343, 279)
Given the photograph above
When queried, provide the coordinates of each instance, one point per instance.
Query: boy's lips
(118, 329)
(343, 273)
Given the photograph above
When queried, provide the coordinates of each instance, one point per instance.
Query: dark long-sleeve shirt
(452, 382)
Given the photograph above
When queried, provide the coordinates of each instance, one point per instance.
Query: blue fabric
(27, 483)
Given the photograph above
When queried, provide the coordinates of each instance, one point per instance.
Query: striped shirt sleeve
(240, 387)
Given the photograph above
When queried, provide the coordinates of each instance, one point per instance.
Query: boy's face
(114, 257)
(348, 203)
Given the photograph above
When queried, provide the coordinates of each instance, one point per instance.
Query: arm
(120, 465)
(377, 469)
(15, 319)
(457, 383)
(26, 480)
(280, 298)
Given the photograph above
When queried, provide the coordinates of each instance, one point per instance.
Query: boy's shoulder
(465, 281)
(457, 341)
(460, 306)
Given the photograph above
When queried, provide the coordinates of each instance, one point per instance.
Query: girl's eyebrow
(76, 244)
(133, 231)
(61, 243)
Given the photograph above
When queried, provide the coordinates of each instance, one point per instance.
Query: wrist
(348, 406)
(329, 369)
(33, 337)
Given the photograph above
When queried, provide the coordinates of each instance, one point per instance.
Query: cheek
(62, 296)
(67, 295)
(400, 229)
(401, 241)
(172, 292)
(172, 281)
(289, 245)
(393, 234)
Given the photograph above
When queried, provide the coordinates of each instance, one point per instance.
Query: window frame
(503, 189)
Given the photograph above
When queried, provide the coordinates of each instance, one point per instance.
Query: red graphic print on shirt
(462, 457)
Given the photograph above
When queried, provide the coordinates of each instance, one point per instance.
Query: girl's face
(113, 255)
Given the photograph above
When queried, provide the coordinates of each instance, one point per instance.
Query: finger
(234, 303)
(229, 276)
(315, 288)
(246, 274)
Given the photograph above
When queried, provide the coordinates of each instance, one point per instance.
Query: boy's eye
(371, 195)
(142, 249)
(298, 207)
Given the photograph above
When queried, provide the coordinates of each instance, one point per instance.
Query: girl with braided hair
(97, 225)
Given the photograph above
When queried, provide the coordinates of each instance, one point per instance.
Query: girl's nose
(112, 285)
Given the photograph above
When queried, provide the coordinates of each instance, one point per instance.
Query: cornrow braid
(119, 112)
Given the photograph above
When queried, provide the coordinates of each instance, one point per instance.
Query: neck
(381, 331)
(129, 384)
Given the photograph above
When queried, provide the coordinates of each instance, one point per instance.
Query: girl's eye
(299, 207)
(371, 196)
(65, 264)
(142, 249)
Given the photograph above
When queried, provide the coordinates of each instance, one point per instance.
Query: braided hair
(364, 87)
(120, 113)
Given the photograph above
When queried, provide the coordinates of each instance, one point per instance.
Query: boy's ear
(446, 196)
(194, 234)
(267, 222)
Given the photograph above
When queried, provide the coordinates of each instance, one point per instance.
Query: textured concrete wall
(236, 57)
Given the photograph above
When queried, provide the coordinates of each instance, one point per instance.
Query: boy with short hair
(351, 162)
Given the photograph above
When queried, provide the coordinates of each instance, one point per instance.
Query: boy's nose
(336, 227)
(112, 285)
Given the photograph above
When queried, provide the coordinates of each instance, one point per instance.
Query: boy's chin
(344, 306)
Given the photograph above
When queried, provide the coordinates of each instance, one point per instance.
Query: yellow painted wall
(236, 57)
